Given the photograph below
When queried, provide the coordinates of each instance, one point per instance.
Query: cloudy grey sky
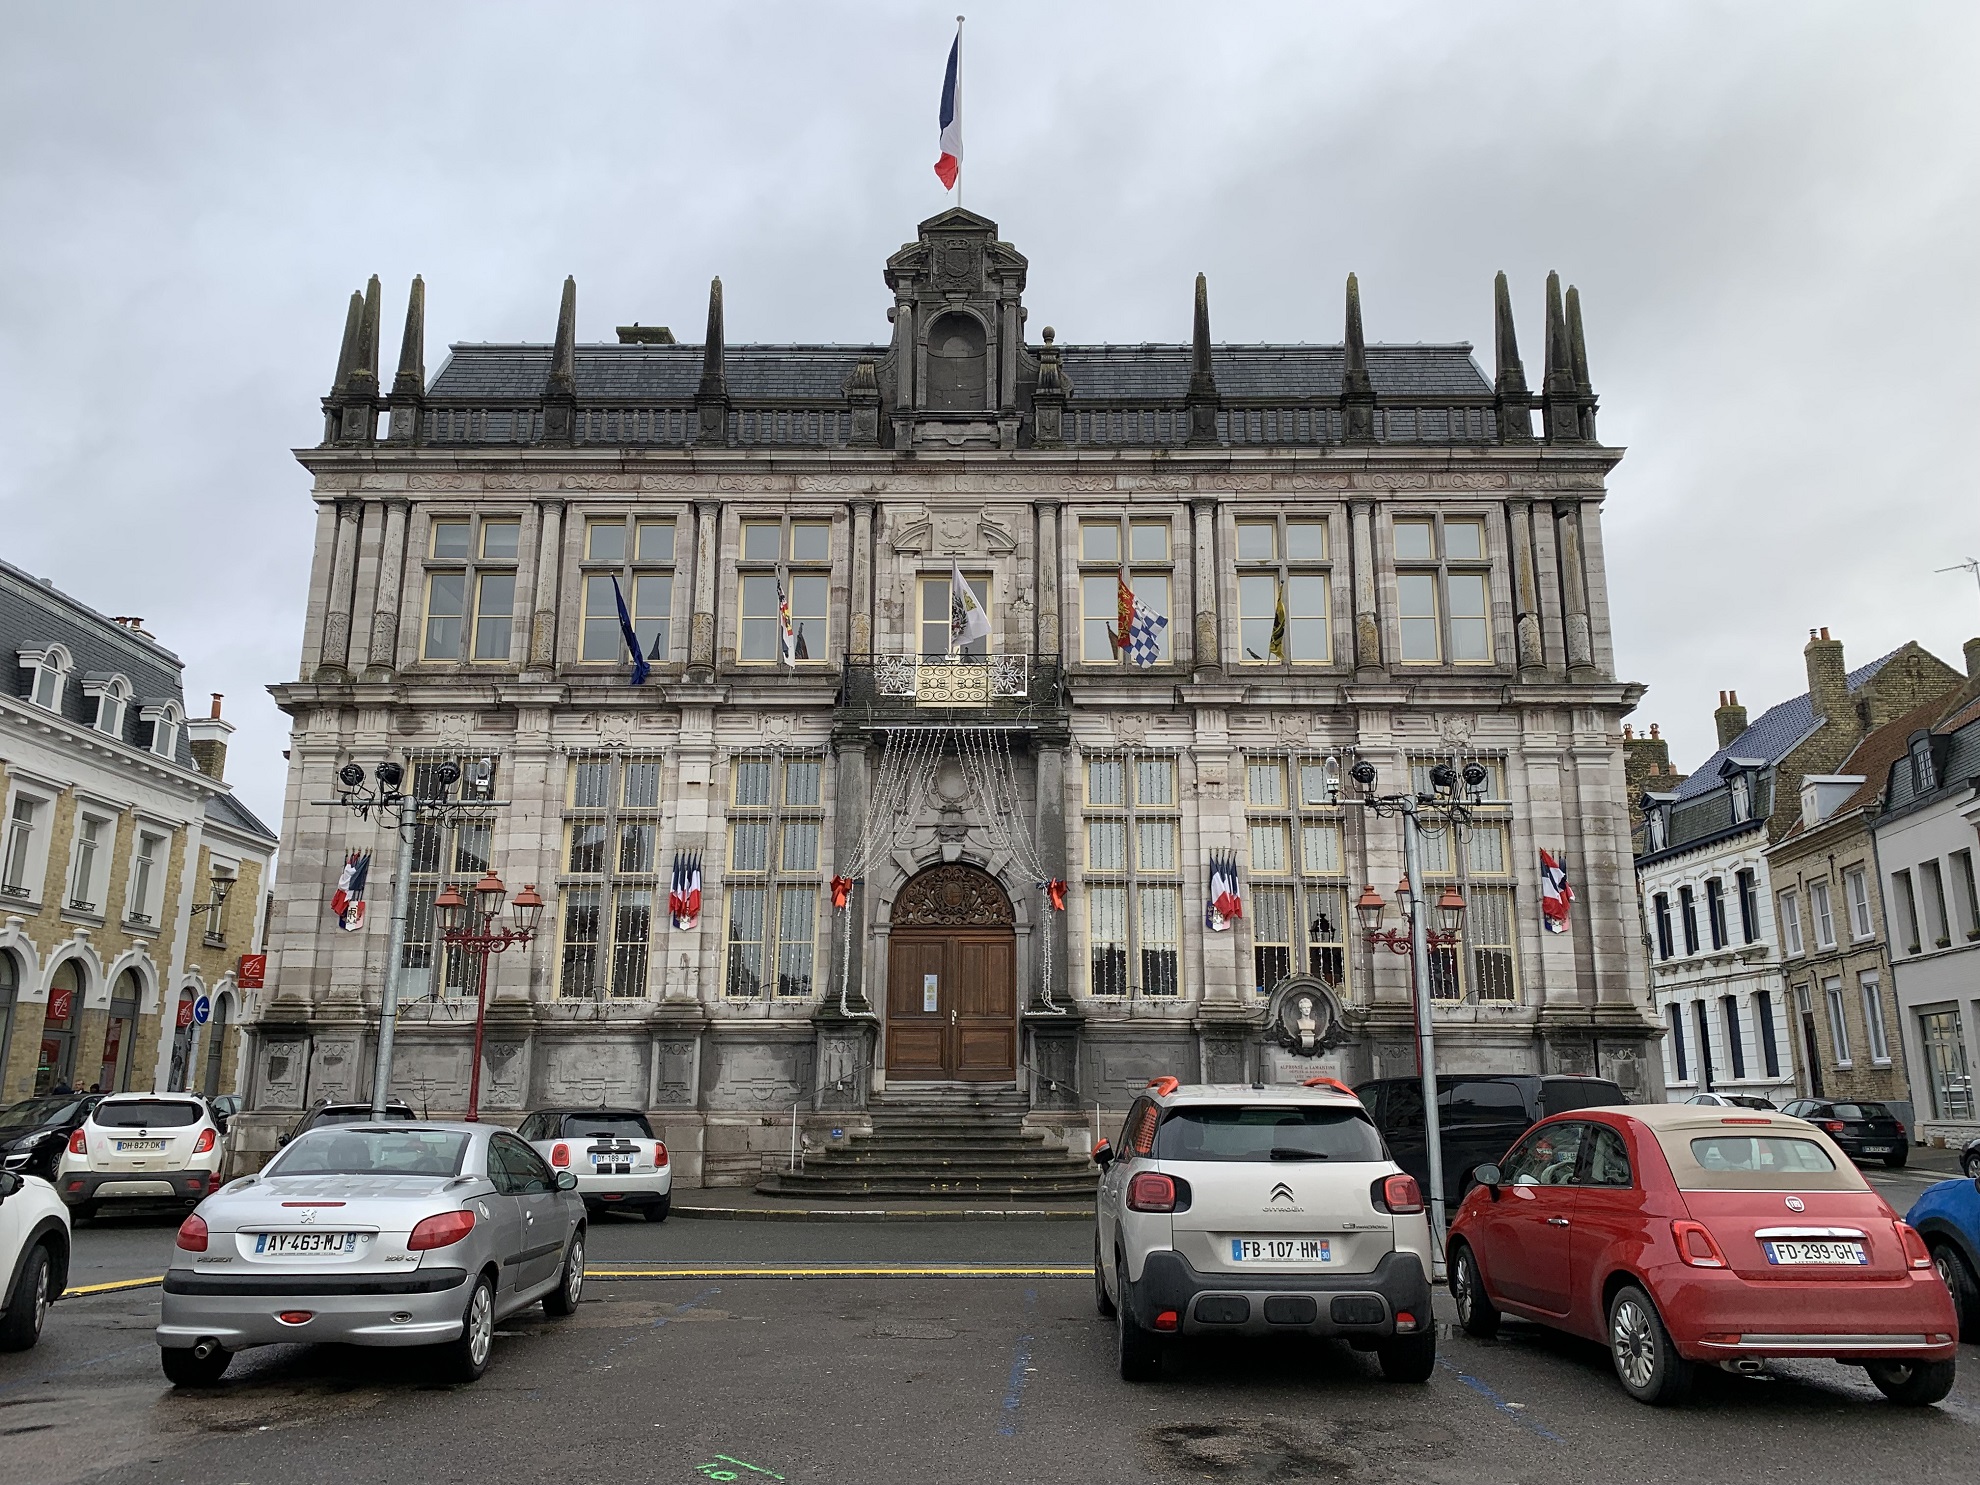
(1770, 208)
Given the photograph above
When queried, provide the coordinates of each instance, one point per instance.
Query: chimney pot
(217, 699)
(1653, 729)
(1629, 732)
(1825, 631)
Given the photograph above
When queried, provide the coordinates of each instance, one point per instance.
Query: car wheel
(1101, 1301)
(1896, 1159)
(1952, 1267)
(563, 1300)
(1408, 1358)
(1972, 1166)
(1137, 1352)
(1476, 1312)
(1647, 1364)
(658, 1211)
(466, 1358)
(1912, 1384)
(32, 1297)
(185, 1367)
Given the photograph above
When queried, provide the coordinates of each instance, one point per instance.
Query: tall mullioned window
(798, 554)
(1282, 567)
(610, 885)
(1133, 874)
(1485, 966)
(1297, 899)
(470, 587)
(776, 844)
(639, 554)
(457, 853)
(1107, 546)
(1443, 590)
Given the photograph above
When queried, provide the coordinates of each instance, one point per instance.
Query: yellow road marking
(76, 1291)
(853, 1271)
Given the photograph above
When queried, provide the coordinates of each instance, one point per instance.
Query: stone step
(805, 1183)
(877, 1160)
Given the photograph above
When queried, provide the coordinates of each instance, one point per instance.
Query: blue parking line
(1518, 1415)
(1020, 1370)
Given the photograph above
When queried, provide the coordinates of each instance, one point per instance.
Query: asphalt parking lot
(977, 1375)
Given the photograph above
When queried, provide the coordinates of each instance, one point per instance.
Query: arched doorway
(57, 1065)
(120, 1033)
(952, 979)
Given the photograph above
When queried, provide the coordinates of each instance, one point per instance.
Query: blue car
(1947, 1216)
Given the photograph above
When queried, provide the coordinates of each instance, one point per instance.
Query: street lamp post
(472, 927)
(431, 802)
(1451, 799)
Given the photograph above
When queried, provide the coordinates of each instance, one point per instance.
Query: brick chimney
(207, 737)
(1647, 769)
(1730, 718)
(1828, 680)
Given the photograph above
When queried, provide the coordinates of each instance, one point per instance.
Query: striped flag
(1225, 902)
(1556, 896)
(684, 901)
(347, 902)
(789, 651)
(949, 166)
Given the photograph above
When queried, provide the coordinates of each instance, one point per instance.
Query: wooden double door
(952, 979)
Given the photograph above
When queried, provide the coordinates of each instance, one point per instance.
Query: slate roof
(1958, 772)
(1873, 758)
(1772, 735)
(1099, 373)
(35, 614)
(224, 809)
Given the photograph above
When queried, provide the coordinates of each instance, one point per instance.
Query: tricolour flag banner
(1225, 901)
(640, 668)
(967, 620)
(788, 650)
(684, 900)
(949, 166)
(1556, 896)
(347, 902)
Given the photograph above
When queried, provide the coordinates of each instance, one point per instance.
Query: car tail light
(1915, 1252)
(1397, 1194)
(203, 1143)
(659, 1154)
(212, 1182)
(1746, 1121)
(77, 1144)
(560, 1156)
(1900, 1125)
(192, 1234)
(1152, 1192)
(1834, 1126)
(1405, 1320)
(1696, 1246)
(1167, 1320)
(440, 1231)
(296, 1317)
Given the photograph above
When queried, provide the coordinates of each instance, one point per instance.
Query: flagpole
(959, 93)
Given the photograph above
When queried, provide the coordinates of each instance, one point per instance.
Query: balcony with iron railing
(1024, 693)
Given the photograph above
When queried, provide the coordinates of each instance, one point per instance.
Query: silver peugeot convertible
(394, 1234)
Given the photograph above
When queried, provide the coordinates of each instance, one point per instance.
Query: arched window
(184, 1031)
(56, 1066)
(120, 1034)
(51, 667)
(164, 722)
(112, 695)
(10, 991)
(216, 1044)
(958, 376)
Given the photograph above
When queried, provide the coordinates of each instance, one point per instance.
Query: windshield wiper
(1287, 1152)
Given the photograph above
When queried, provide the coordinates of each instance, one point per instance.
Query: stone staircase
(943, 1142)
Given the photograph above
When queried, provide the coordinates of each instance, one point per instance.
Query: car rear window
(324, 1117)
(618, 1126)
(1860, 1111)
(371, 1152)
(1754, 1160)
(147, 1113)
(36, 1112)
(1559, 1096)
(1245, 1132)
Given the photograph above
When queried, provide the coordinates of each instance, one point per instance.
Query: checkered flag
(1144, 637)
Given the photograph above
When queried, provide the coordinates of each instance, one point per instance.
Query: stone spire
(711, 398)
(1509, 393)
(560, 387)
(350, 412)
(1202, 398)
(1048, 397)
(1584, 392)
(409, 383)
(1562, 416)
(1357, 391)
(340, 384)
(364, 369)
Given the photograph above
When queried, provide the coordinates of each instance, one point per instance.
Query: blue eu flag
(640, 668)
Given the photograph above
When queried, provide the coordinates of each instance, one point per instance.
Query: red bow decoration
(842, 888)
(1055, 891)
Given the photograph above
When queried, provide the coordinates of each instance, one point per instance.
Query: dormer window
(1924, 768)
(165, 719)
(51, 668)
(112, 695)
(1741, 790)
(1660, 829)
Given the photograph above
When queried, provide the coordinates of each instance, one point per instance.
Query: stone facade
(1359, 551)
(110, 795)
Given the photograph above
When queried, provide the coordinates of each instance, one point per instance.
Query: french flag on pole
(1556, 895)
(949, 167)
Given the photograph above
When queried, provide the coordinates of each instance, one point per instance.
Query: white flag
(967, 621)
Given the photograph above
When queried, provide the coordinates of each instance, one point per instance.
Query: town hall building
(931, 862)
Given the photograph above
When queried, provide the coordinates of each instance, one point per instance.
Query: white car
(142, 1147)
(1256, 1211)
(34, 1256)
(620, 1165)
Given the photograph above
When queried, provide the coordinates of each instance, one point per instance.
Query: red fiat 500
(1681, 1235)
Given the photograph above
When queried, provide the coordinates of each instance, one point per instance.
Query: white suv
(1253, 1210)
(142, 1147)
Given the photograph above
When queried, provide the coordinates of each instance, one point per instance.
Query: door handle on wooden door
(952, 1018)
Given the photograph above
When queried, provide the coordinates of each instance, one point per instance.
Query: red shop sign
(252, 972)
(61, 1001)
(185, 1011)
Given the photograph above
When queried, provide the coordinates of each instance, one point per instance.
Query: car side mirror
(1103, 1154)
(10, 1182)
(566, 1180)
(1490, 1177)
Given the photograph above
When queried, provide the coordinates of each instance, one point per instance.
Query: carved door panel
(917, 1024)
(985, 1021)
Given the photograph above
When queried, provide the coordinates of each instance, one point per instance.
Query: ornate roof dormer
(958, 358)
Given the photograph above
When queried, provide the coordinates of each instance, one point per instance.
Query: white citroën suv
(1257, 1211)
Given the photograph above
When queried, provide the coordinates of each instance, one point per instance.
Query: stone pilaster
(1526, 592)
(1367, 617)
(862, 578)
(1050, 634)
(1574, 592)
(701, 627)
(384, 653)
(1209, 656)
(337, 610)
(543, 614)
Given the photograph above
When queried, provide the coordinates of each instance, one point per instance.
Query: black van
(1481, 1114)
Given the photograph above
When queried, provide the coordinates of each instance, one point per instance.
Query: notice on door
(929, 987)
